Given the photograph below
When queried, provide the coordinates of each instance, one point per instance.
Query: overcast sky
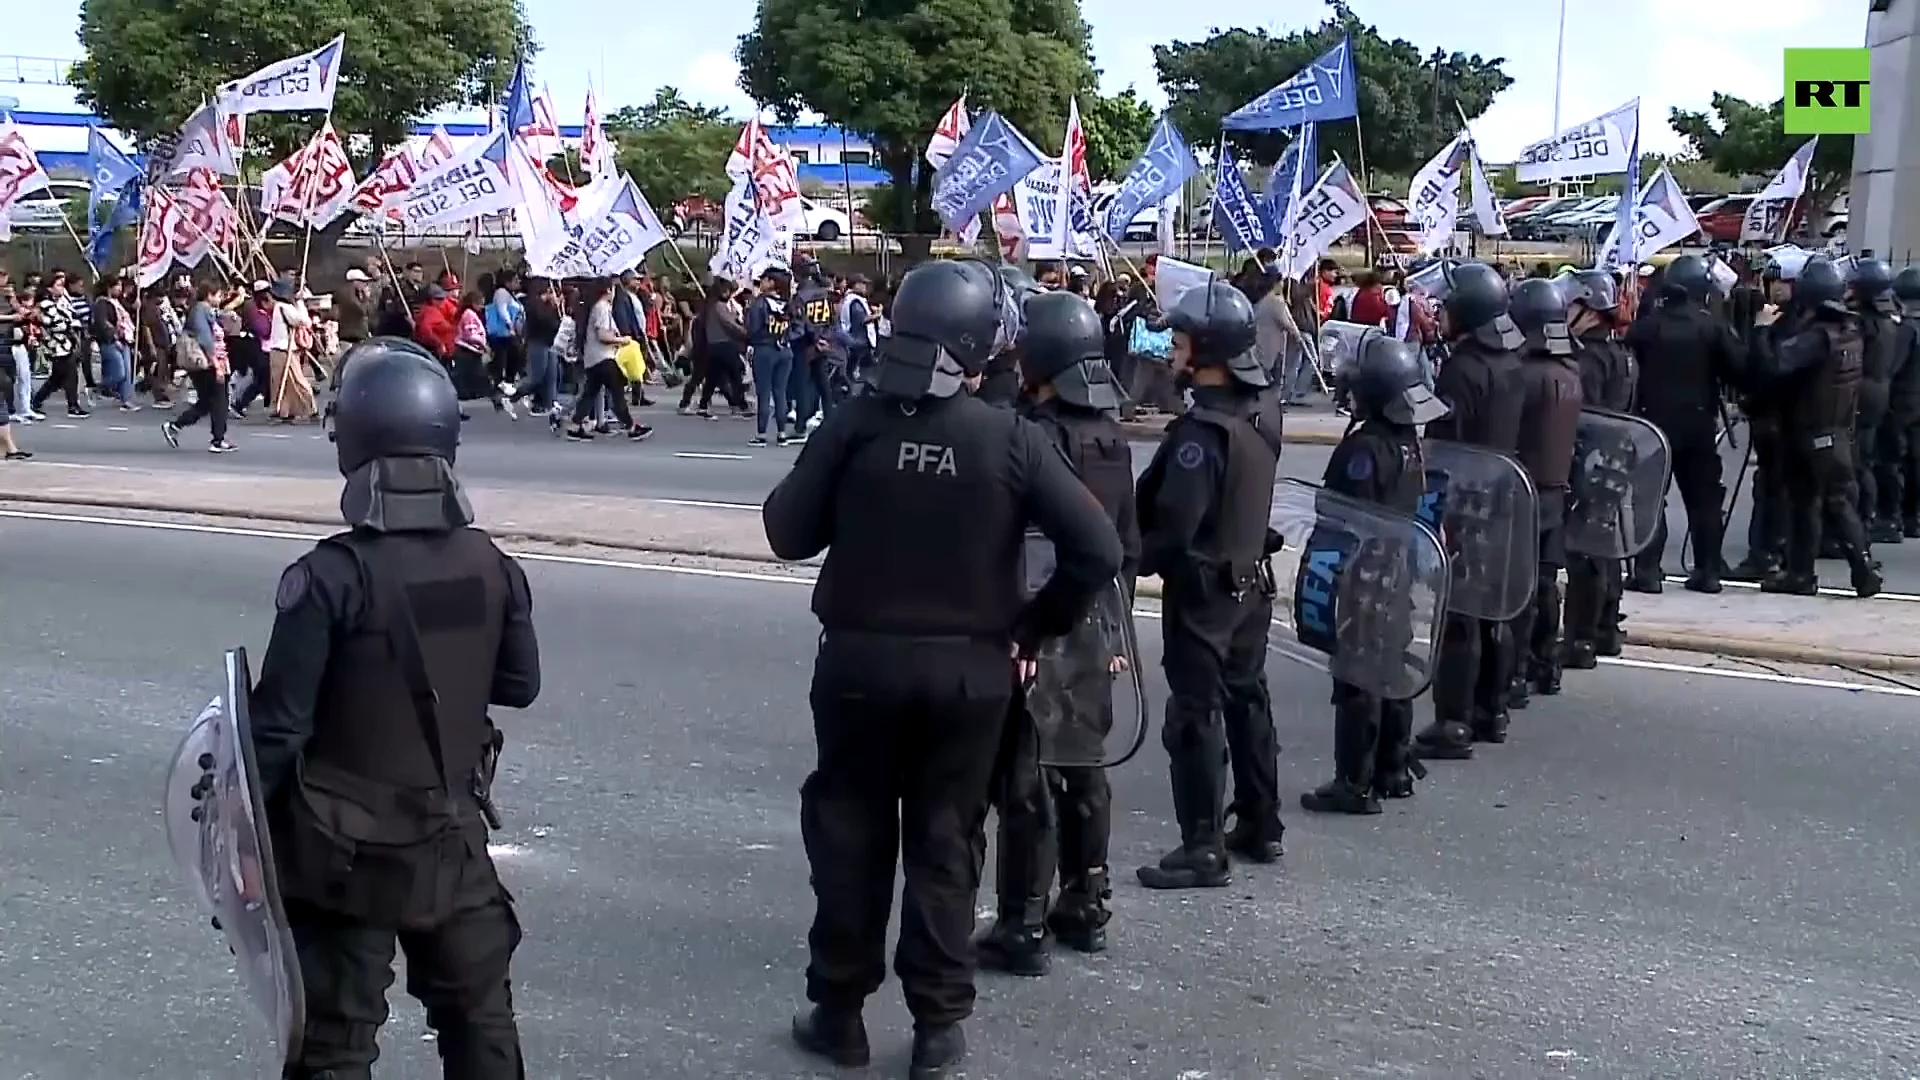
(1669, 54)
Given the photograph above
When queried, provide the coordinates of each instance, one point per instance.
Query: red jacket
(1369, 307)
(436, 325)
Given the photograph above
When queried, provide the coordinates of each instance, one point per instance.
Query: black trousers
(1372, 735)
(1697, 476)
(63, 375)
(1475, 665)
(908, 732)
(1536, 631)
(1821, 488)
(725, 371)
(1890, 473)
(1050, 817)
(210, 401)
(605, 375)
(1910, 474)
(457, 970)
(1214, 653)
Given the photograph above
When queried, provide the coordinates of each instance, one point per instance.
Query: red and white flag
(20, 172)
(776, 183)
(596, 150)
(314, 186)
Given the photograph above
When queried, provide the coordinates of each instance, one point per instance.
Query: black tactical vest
(1233, 535)
(1552, 419)
(1831, 400)
(1905, 393)
(927, 524)
(1880, 344)
(1097, 449)
(1609, 374)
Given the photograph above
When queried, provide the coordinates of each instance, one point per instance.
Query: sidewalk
(1876, 635)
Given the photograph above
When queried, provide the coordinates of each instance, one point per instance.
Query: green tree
(888, 71)
(149, 65)
(1117, 128)
(1742, 139)
(673, 148)
(1410, 100)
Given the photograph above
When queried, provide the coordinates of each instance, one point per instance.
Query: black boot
(1885, 531)
(937, 1051)
(1200, 862)
(1356, 731)
(1787, 583)
(1255, 842)
(1490, 727)
(1646, 581)
(1445, 740)
(1544, 676)
(1866, 577)
(1755, 567)
(1016, 943)
(1579, 655)
(1703, 581)
(1394, 766)
(1079, 917)
(1518, 693)
(839, 1035)
(1910, 528)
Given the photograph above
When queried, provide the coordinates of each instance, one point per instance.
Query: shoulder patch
(1190, 455)
(1360, 465)
(294, 584)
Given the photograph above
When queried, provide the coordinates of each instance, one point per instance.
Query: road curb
(1673, 639)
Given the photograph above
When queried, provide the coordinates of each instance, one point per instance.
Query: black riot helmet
(1871, 279)
(1906, 287)
(1217, 321)
(1539, 309)
(396, 430)
(1593, 290)
(949, 318)
(1476, 306)
(1820, 286)
(1065, 347)
(1383, 378)
(1687, 280)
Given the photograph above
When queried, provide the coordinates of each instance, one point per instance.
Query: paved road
(688, 459)
(1665, 874)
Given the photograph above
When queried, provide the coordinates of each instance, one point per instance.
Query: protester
(290, 344)
(202, 353)
(60, 335)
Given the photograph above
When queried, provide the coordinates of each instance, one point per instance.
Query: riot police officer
(389, 643)
(1070, 393)
(1903, 445)
(920, 494)
(1764, 401)
(1691, 358)
(1870, 295)
(1549, 425)
(1481, 386)
(1378, 460)
(1816, 361)
(1609, 379)
(1204, 502)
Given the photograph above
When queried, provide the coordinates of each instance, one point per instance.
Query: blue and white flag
(1661, 219)
(1766, 216)
(1161, 170)
(126, 214)
(992, 158)
(1247, 227)
(109, 170)
(1301, 159)
(1606, 145)
(1433, 202)
(1320, 93)
(304, 83)
(1334, 208)
(516, 107)
(1622, 252)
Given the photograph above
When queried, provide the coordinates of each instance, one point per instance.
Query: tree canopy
(673, 148)
(889, 69)
(1410, 98)
(1117, 128)
(1741, 138)
(149, 65)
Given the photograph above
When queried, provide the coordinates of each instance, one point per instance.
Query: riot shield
(1340, 342)
(1369, 589)
(1086, 698)
(1621, 465)
(1483, 506)
(217, 830)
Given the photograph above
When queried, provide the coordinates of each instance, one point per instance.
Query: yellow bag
(633, 361)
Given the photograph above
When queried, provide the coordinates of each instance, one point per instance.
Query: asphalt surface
(1664, 874)
(692, 460)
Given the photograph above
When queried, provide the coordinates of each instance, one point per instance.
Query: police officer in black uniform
(1481, 385)
(1816, 361)
(1903, 427)
(1764, 402)
(1870, 295)
(1379, 460)
(1063, 814)
(1204, 502)
(818, 358)
(1609, 379)
(1549, 425)
(920, 495)
(390, 642)
(1691, 358)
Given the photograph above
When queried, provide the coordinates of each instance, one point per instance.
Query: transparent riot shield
(1086, 698)
(1621, 466)
(1340, 342)
(217, 831)
(1483, 505)
(1369, 589)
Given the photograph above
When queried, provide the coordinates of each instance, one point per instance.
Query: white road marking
(117, 429)
(712, 457)
(705, 504)
(65, 427)
(805, 579)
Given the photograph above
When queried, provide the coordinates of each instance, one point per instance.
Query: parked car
(822, 222)
(1572, 222)
(45, 210)
(1721, 218)
(1523, 226)
(1145, 226)
(1390, 212)
(1513, 208)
